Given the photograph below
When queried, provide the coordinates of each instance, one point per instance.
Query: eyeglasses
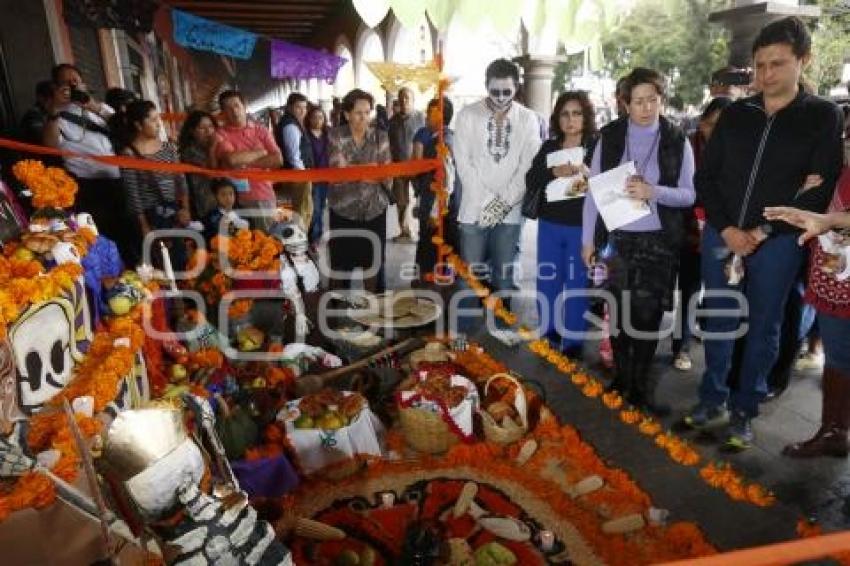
(505, 92)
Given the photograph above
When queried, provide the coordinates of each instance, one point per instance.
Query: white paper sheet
(562, 188)
(608, 192)
(574, 155)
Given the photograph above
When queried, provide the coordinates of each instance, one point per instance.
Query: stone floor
(818, 488)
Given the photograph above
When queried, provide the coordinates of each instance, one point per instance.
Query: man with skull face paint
(496, 140)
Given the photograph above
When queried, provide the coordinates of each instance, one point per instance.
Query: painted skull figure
(42, 342)
(296, 266)
(501, 92)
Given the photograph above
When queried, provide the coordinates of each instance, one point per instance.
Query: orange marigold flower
(630, 416)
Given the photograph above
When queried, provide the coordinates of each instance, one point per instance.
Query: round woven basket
(426, 431)
(495, 432)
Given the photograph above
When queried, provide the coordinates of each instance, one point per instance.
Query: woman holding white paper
(555, 187)
(642, 268)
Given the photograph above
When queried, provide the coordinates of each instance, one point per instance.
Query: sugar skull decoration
(45, 346)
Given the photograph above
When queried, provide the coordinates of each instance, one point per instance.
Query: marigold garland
(677, 449)
(51, 187)
(722, 476)
(24, 282)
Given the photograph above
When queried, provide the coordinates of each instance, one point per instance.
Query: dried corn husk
(526, 452)
(467, 495)
(507, 528)
(626, 524)
(315, 530)
(587, 485)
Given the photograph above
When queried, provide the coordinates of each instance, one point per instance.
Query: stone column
(325, 96)
(537, 81)
(747, 17)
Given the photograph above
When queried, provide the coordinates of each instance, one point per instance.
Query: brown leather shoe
(831, 438)
(830, 441)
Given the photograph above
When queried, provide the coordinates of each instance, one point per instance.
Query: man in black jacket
(762, 150)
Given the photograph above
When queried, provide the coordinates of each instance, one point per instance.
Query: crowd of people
(722, 209)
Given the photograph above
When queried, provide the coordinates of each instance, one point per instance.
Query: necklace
(498, 135)
(641, 169)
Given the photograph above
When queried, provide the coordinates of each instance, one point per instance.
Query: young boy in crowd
(225, 197)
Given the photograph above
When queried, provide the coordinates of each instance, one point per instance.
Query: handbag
(532, 200)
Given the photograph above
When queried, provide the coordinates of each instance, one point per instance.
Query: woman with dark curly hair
(196, 138)
(559, 264)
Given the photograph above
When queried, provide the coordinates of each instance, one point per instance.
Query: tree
(830, 44)
(674, 37)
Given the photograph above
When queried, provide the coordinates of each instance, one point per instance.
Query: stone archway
(369, 48)
(345, 79)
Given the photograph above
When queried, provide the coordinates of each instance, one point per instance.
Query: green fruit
(494, 554)
(178, 372)
(368, 557)
(347, 558)
(304, 421)
(24, 254)
(120, 305)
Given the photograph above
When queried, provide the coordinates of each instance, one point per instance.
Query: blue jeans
(770, 274)
(560, 268)
(490, 253)
(835, 333)
(320, 197)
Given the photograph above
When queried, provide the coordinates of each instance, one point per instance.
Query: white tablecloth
(317, 448)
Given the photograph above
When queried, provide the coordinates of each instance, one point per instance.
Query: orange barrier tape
(341, 175)
(173, 116)
(791, 552)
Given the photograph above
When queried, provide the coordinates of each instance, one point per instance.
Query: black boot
(645, 384)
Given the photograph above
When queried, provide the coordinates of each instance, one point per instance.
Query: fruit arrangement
(329, 409)
(250, 339)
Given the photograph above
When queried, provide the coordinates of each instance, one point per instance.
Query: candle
(547, 540)
(387, 499)
(166, 265)
(83, 405)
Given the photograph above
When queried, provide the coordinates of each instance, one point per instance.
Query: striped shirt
(147, 189)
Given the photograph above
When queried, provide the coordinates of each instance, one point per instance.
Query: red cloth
(826, 293)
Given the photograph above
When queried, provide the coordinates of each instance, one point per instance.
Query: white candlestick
(547, 540)
(387, 499)
(166, 265)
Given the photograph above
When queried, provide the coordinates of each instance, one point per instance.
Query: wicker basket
(426, 431)
(495, 432)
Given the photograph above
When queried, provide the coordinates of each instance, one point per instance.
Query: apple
(120, 305)
(178, 372)
(24, 254)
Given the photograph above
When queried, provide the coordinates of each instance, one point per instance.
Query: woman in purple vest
(641, 266)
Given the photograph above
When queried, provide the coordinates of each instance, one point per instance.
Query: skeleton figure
(298, 272)
(154, 470)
